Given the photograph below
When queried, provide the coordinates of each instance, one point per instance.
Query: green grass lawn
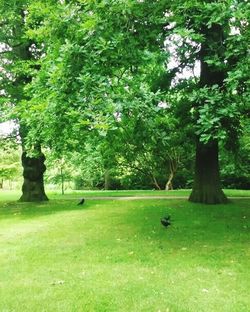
(115, 255)
(132, 193)
(69, 194)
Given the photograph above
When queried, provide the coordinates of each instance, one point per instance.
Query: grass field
(113, 255)
(69, 194)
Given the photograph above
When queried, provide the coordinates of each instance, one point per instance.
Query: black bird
(166, 221)
(81, 202)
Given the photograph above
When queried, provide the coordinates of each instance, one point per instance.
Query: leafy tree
(59, 171)
(92, 56)
(18, 61)
(216, 99)
(146, 138)
(97, 51)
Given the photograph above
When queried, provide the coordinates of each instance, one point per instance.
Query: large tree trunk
(33, 185)
(207, 187)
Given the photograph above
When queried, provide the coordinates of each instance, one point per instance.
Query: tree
(205, 32)
(18, 64)
(207, 185)
(146, 139)
(98, 51)
(60, 169)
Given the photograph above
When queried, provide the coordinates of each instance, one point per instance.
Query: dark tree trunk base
(207, 188)
(207, 197)
(33, 191)
(33, 185)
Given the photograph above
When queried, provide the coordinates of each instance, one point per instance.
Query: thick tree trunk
(207, 187)
(33, 185)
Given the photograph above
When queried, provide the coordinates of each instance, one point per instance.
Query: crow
(166, 221)
(81, 202)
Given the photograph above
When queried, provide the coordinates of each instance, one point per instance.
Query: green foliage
(216, 111)
(97, 53)
(235, 166)
(86, 75)
(10, 167)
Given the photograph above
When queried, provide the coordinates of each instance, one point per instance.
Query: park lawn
(134, 193)
(70, 194)
(114, 255)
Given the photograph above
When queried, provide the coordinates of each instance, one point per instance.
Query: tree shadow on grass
(37, 209)
(192, 224)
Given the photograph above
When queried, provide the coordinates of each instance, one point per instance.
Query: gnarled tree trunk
(33, 185)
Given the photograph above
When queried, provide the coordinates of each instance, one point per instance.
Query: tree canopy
(101, 69)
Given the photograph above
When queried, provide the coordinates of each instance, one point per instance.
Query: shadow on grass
(189, 221)
(192, 223)
(37, 209)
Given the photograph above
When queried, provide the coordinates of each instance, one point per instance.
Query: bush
(235, 182)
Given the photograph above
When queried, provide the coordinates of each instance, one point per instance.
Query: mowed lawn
(114, 255)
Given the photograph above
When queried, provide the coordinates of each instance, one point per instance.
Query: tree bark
(173, 165)
(207, 186)
(155, 182)
(33, 185)
(169, 185)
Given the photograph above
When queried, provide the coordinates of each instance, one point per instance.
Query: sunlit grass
(72, 194)
(177, 193)
(116, 256)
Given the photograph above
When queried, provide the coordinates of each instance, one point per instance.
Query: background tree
(10, 168)
(146, 139)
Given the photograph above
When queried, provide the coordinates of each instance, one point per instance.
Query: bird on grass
(166, 221)
(81, 202)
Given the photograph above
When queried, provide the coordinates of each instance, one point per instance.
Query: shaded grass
(115, 256)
